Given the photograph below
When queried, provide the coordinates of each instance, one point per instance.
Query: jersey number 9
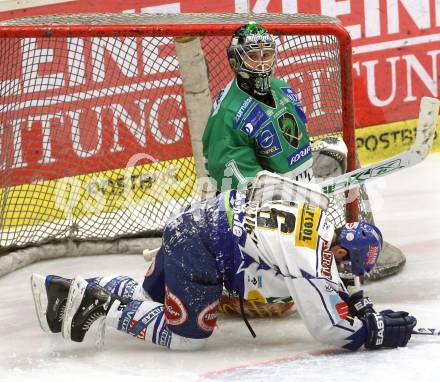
(269, 220)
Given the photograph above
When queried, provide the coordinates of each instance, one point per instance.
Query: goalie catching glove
(329, 157)
(386, 329)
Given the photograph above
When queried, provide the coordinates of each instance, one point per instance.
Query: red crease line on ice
(295, 357)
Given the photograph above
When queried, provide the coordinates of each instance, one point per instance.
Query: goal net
(101, 115)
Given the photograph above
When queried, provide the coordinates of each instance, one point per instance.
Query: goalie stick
(425, 132)
(420, 149)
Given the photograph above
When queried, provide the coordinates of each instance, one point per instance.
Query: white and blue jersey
(282, 252)
(275, 250)
(292, 240)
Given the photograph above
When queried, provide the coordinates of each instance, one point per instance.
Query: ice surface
(406, 207)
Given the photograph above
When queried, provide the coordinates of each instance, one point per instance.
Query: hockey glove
(388, 329)
(329, 157)
(359, 305)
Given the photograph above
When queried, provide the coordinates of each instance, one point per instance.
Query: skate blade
(74, 298)
(99, 341)
(38, 285)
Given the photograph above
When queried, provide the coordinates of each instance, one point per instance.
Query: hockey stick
(427, 331)
(420, 149)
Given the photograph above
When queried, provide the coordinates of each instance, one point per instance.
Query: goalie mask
(363, 243)
(252, 55)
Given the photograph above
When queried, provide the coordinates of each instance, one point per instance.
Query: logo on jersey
(267, 142)
(290, 94)
(307, 231)
(207, 318)
(296, 103)
(248, 129)
(175, 312)
(238, 206)
(298, 155)
(255, 281)
(253, 121)
(290, 129)
(342, 309)
(339, 308)
(326, 262)
(244, 107)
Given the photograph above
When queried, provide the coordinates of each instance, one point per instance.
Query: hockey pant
(178, 302)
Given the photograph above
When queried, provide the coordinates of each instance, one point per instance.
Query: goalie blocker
(288, 245)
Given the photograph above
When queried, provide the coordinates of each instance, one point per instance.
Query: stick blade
(426, 126)
(426, 331)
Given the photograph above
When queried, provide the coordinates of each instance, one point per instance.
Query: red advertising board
(99, 108)
(395, 43)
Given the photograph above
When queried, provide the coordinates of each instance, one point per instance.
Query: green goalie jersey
(244, 136)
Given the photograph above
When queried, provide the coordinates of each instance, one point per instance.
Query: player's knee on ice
(181, 343)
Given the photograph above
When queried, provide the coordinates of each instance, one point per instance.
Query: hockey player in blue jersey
(228, 241)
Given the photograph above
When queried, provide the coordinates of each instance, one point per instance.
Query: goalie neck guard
(364, 243)
(252, 55)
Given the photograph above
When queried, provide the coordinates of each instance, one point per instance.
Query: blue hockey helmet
(364, 242)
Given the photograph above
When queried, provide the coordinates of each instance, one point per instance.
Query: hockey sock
(123, 286)
(142, 319)
(146, 320)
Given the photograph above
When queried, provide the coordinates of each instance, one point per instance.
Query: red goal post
(87, 98)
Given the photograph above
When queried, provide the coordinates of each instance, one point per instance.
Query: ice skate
(85, 305)
(50, 296)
